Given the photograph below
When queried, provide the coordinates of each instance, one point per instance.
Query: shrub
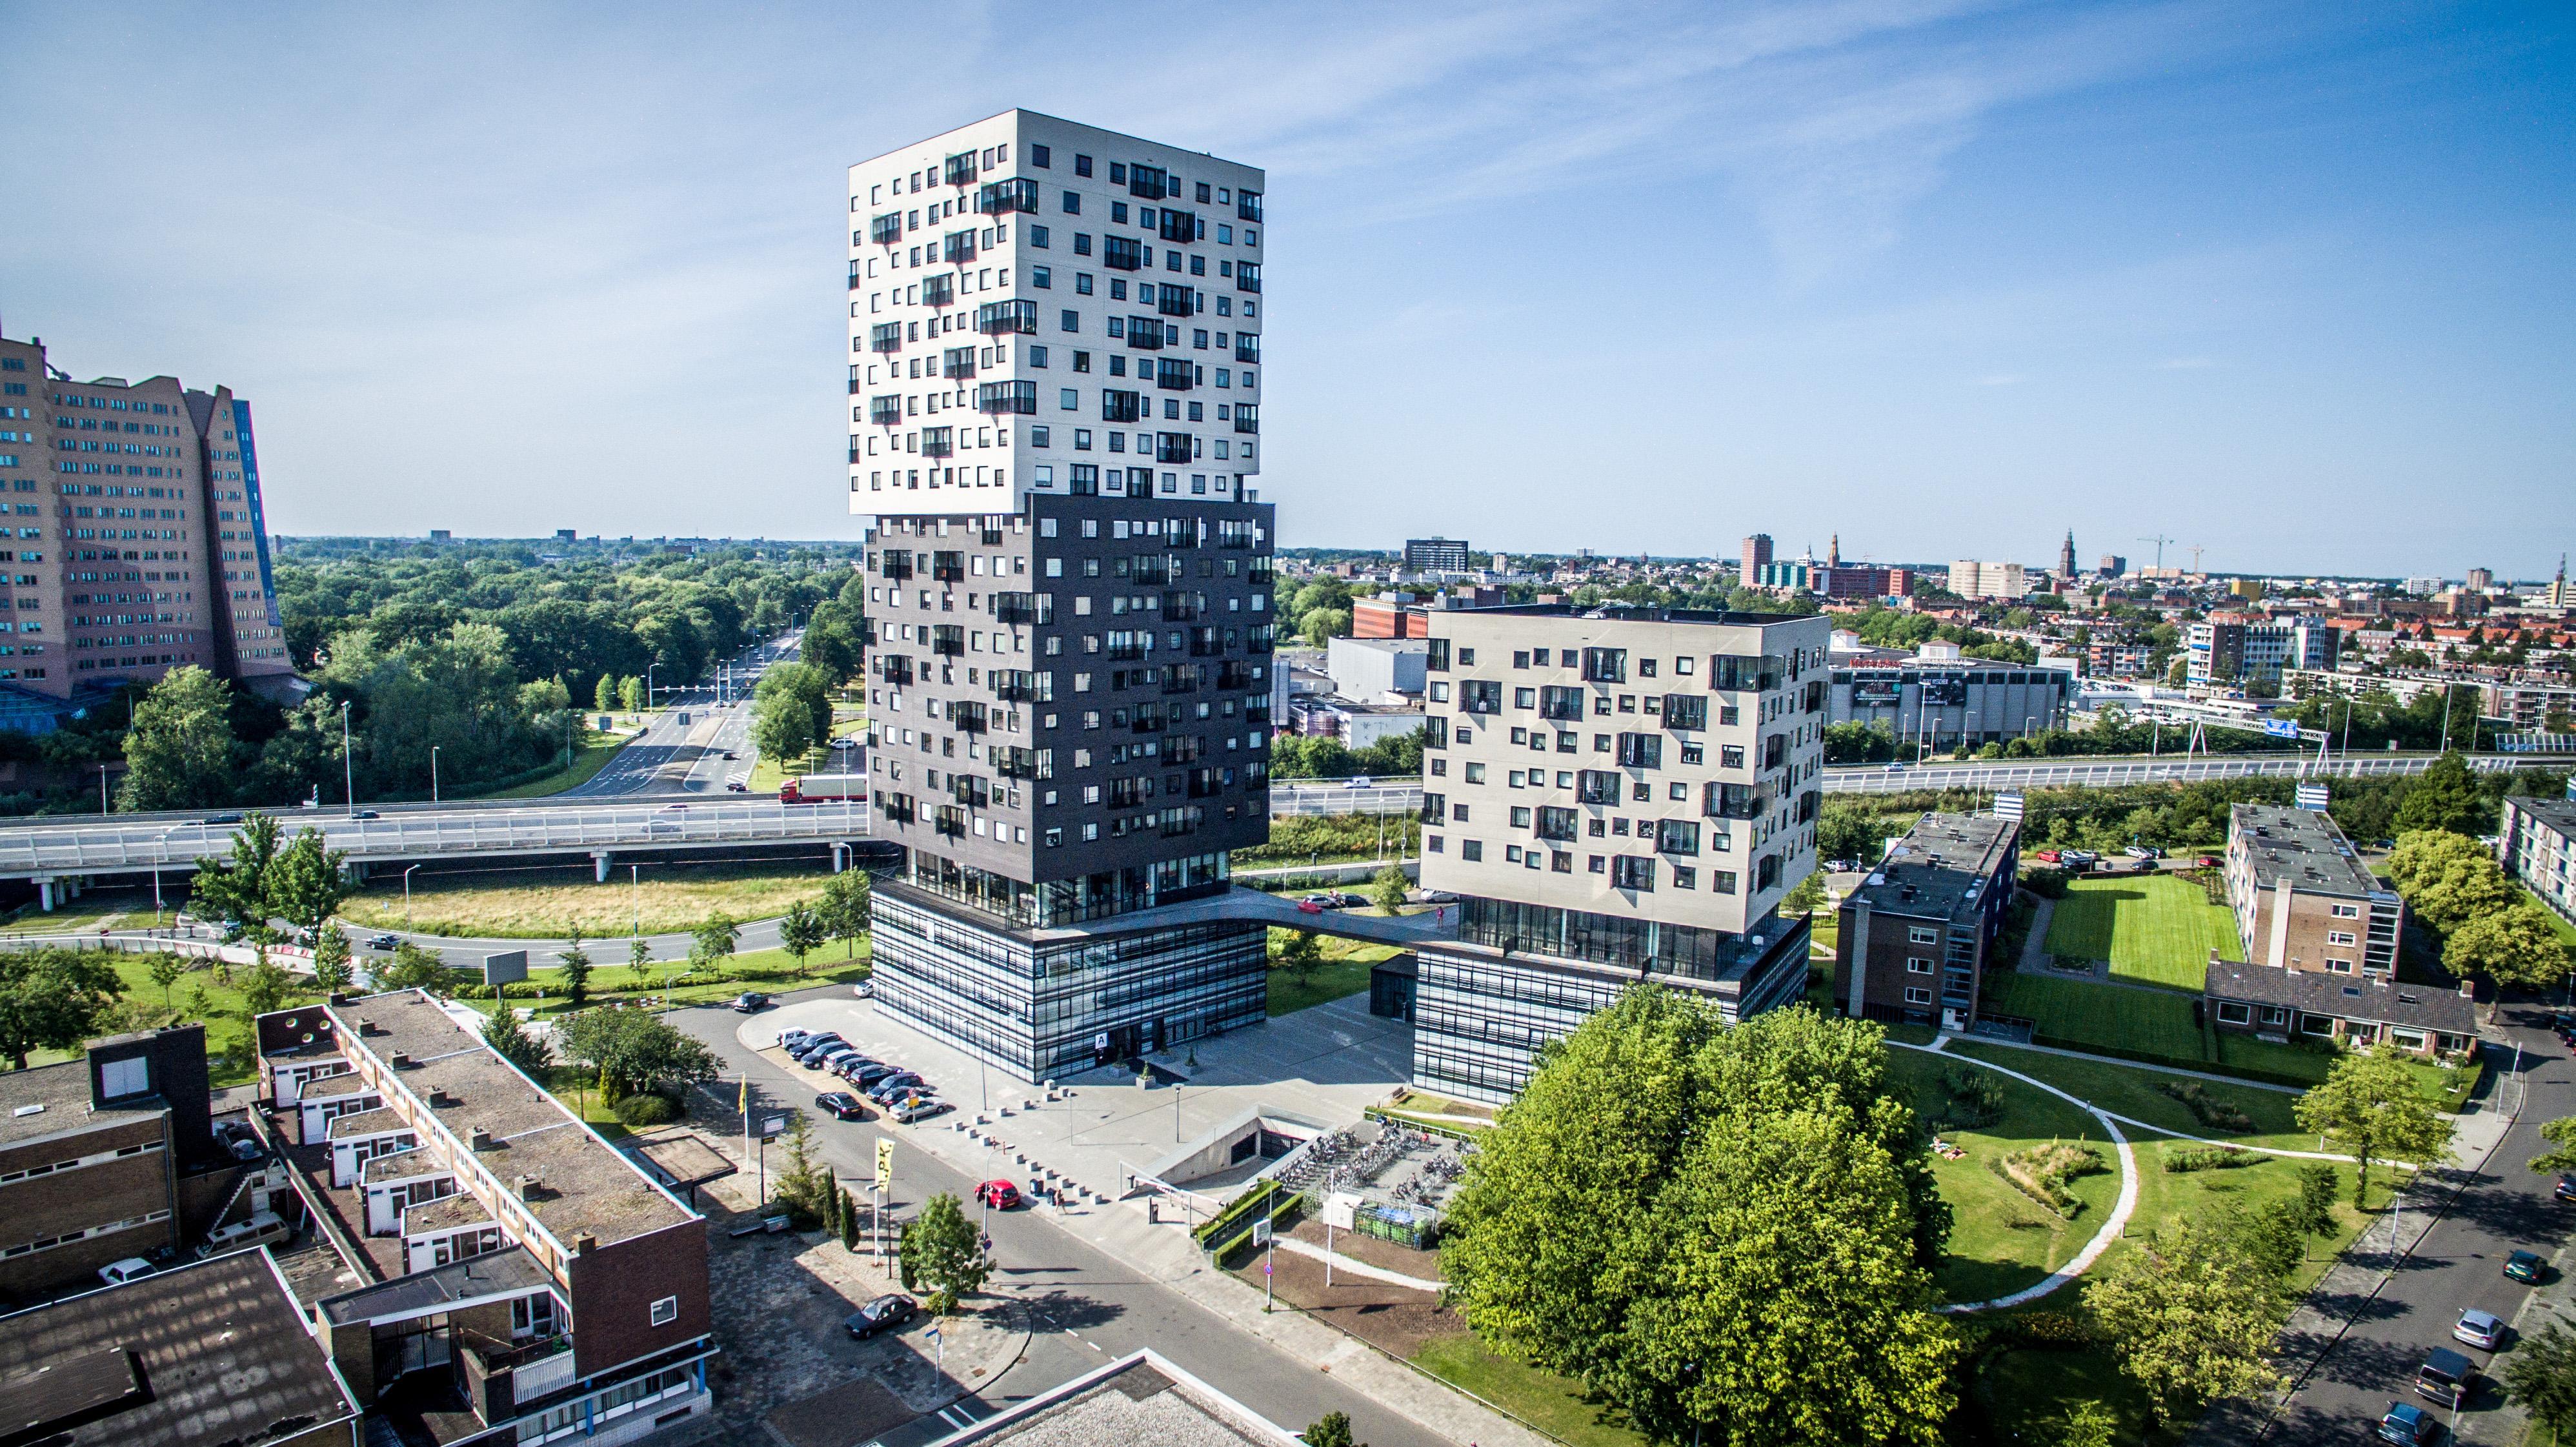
(639, 1111)
(2041, 1173)
(2044, 881)
(2208, 1158)
(2050, 1329)
(2208, 1109)
(1976, 1100)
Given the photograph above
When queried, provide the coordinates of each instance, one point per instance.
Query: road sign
(775, 1125)
(1261, 1232)
(508, 968)
(2311, 796)
(2281, 728)
(2008, 806)
(885, 1165)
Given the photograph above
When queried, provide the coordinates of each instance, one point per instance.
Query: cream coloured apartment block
(1040, 307)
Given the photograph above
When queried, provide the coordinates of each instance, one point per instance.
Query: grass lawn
(1345, 971)
(2001, 1239)
(2097, 1014)
(2153, 928)
(120, 908)
(2131, 1090)
(596, 750)
(772, 971)
(1543, 1399)
(196, 997)
(548, 904)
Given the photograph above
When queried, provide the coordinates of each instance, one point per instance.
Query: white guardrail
(2098, 773)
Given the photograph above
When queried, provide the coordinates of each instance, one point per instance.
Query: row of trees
(1321, 756)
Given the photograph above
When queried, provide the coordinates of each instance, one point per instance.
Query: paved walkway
(2034, 947)
(1355, 1268)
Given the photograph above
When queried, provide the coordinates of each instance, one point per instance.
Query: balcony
(1175, 374)
(951, 821)
(1000, 318)
(886, 337)
(1118, 406)
(854, 381)
(970, 718)
(1144, 334)
(1596, 786)
(1480, 695)
(1181, 678)
(854, 450)
(1015, 685)
(1125, 793)
(855, 278)
(988, 530)
(1000, 198)
(1205, 642)
(1685, 711)
(1150, 720)
(957, 363)
(938, 441)
(1247, 346)
(1154, 568)
(1247, 417)
(1263, 638)
(959, 170)
(1015, 763)
(1263, 571)
(948, 567)
(1563, 705)
(1017, 609)
(948, 640)
(969, 791)
(938, 289)
(998, 398)
(1178, 225)
(1171, 447)
(1151, 183)
(1605, 665)
(1247, 276)
(886, 230)
(896, 808)
(1177, 301)
(957, 247)
(1234, 676)
(1247, 205)
(1555, 823)
(1435, 809)
(1730, 801)
(1180, 607)
(1641, 751)
(1122, 253)
(885, 411)
(895, 669)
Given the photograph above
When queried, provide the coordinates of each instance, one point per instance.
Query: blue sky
(2291, 282)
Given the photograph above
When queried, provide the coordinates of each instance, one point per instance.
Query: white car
(117, 1273)
(2480, 1329)
(865, 990)
(1359, 781)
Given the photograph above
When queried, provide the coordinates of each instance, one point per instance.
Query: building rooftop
(210, 1353)
(583, 1185)
(1941, 868)
(2302, 846)
(502, 1273)
(2352, 997)
(1631, 613)
(2558, 814)
(53, 1100)
(1138, 1398)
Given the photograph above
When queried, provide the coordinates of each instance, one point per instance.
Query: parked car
(864, 989)
(897, 1085)
(748, 1001)
(117, 1273)
(791, 1037)
(2206, 861)
(2143, 851)
(814, 1046)
(1320, 902)
(849, 1066)
(1438, 896)
(263, 1228)
(882, 1314)
(841, 1105)
(1309, 906)
(875, 1072)
(1000, 1195)
(2046, 856)
(838, 1056)
(2526, 1266)
(1348, 900)
(2446, 1377)
(382, 942)
(2481, 1329)
(918, 1108)
(1359, 781)
(2077, 857)
(2407, 1423)
(240, 1141)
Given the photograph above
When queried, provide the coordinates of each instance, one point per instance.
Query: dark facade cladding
(1914, 939)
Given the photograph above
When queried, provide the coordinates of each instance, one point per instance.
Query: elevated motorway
(2106, 772)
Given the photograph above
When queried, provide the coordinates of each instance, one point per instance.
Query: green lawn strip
(514, 906)
(1541, 1398)
(126, 910)
(2132, 1091)
(596, 750)
(2091, 1013)
(1345, 971)
(2154, 929)
(2000, 1239)
(770, 971)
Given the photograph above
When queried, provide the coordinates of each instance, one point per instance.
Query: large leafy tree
(845, 909)
(179, 752)
(633, 1050)
(2446, 796)
(304, 884)
(234, 890)
(2540, 1376)
(2369, 1103)
(2516, 946)
(52, 1000)
(801, 932)
(713, 939)
(2193, 1311)
(2447, 879)
(791, 710)
(941, 1253)
(1673, 1210)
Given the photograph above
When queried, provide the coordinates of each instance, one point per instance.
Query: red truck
(825, 789)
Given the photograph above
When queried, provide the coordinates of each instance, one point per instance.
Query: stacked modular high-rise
(133, 541)
(1055, 353)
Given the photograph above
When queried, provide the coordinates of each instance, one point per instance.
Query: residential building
(1614, 795)
(2537, 842)
(2421, 587)
(1070, 670)
(1436, 555)
(2480, 580)
(1141, 1397)
(1913, 939)
(541, 1284)
(105, 1157)
(2360, 1011)
(212, 1351)
(1757, 554)
(136, 542)
(1387, 615)
(2113, 566)
(1356, 724)
(1370, 668)
(2302, 899)
(1935, 704)
(1989, 580)
(2221, 654)
(1833, 578)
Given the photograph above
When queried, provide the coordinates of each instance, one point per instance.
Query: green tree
(2540, 1377)
(604, 698)
(2088, 1424)
(304, 884)
(634, 1050)
(2446, 796)
(1388, 889)
(1333, 1429)
(2561, 1135)
(845, 909)
(165, 971)
(233, 891)
(1808, 897)
(639, 960)
(630, 693)
(2192, 1313)
(266, 988)
(849, 1220)
(2316, 1199)
(331, 959)
(510, 1039)
(414, 968)
(2369, 1104)
(2448, 879)
(802, 1184)
(801, 932)
(1322, 625)
(179, 750)
(53, 999)
(1300, 954)
(791, 711)
(712, 940)
(2516, 946)
(941, 1254)
(576, 971)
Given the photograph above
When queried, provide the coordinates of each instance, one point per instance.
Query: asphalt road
(2460, 1264)
(670, 758)
(1091, 1308)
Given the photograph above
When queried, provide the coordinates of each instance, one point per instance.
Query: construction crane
(2196, 550)
(2160, 549)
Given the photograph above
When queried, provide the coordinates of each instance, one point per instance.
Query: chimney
(2468, 990)
(439, 1099)
(399, 1060)
(525, 1186)
(584, 1243)
(366, 1027)
(478, 1139)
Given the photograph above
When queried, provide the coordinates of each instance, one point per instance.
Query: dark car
(2446, 1376)
(730, 754)
(849, 1069)
(2407, 1423)
(1000, 1195)
(2525, 1266)
(224, 818)
(876, 1072)
(748, 1001)
(365, 814)
(737, 786)
(842, 1105)
(882, 1314)
(382, 942)
(2566, 1190)
(816, 1046)
(240, 1141)
(894, 1086)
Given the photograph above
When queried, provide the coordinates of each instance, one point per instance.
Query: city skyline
(2131, 271)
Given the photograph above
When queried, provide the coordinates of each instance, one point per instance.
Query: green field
(2002, 1240)
(1544, 1400)
(596, 750)
(2154, 929)
(549, 904)
(2100, 1015)
(1345, 971)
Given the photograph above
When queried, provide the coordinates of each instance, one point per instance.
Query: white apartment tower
(1055, 358)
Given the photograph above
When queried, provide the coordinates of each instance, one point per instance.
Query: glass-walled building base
(1045, 1005)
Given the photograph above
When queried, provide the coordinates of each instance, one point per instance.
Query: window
(1471, 850)
(666, 1311)
(1917, 965)
(1923, 934)
(2231, 1013)
(2338, 937)
(1917, 995)
(1039, 157)
(2346, 911)
(1081, 165)
(120, 1078)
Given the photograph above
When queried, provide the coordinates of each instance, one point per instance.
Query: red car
(1309, 906)
(1000, 1195)
(2208, 861)
(2046, 856)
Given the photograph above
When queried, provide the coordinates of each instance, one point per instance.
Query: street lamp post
(348, 766)
(102, 790)
(407, 897)
(433, 773)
